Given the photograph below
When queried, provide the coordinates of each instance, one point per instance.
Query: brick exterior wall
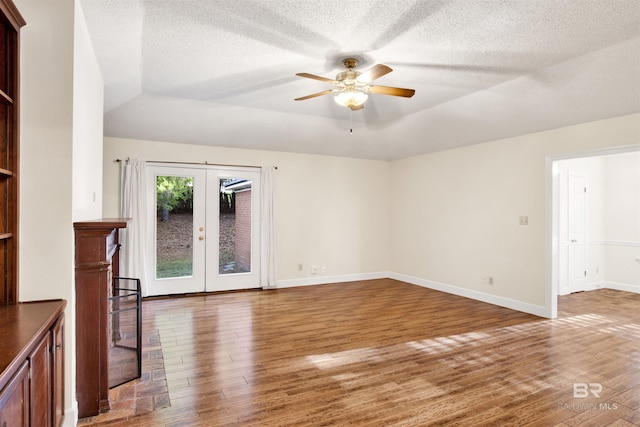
(243, 230)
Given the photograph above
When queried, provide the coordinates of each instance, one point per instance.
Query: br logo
(582, 390)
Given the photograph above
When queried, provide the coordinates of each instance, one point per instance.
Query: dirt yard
(175, 237)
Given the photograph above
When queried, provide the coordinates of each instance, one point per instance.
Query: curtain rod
(195, 163)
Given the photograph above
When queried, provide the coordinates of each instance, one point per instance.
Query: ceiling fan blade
(324, 92)
(313, 76)
(356, 107)
(393, 91)
(374, 72)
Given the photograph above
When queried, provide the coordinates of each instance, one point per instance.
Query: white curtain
(268, 229)
(134, 206)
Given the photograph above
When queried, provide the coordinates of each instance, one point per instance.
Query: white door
(577, 233)
(203, 229)
(233, 220)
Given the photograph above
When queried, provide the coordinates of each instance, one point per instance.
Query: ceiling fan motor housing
(347, 75)
(350, 63)
(350, 74)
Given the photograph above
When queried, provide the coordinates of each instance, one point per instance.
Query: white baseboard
(564, 291)
(71, 415)
(618, 286)
(595, 285)
(536, 310)
(321, 280)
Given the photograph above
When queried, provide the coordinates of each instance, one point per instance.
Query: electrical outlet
(324, 269)
(524, 220)
(314, 269)
(487, 280)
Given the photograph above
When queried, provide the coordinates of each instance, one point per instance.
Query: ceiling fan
(352, 87)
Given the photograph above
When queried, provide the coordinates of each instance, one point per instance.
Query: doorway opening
(593, 202)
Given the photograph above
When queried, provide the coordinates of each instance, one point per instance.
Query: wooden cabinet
(57, 364)
(40, 390)
(14, 399)
(96, 262)
(31, 363)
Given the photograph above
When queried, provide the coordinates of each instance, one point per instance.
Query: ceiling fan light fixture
(352, 87)
(351, 98)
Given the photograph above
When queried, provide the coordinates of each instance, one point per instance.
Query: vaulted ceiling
(222, 72)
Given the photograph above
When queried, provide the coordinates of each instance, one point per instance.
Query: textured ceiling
(223, 72)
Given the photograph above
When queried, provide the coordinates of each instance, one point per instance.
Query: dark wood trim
(12, 14)
(102, 224)
(16, 152)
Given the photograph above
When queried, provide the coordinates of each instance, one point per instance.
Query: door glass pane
(174, 226)
(235, 226)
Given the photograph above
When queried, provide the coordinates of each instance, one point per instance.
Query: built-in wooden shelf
(11, 21)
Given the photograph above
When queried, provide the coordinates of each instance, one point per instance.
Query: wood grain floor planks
(384, 352)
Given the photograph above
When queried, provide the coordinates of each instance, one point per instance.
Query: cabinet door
(57, 368)
(41, 383)
(14, 400)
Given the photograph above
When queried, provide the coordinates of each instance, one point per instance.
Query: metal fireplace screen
(125, 363)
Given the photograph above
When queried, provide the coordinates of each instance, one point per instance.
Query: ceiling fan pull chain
(351, 121)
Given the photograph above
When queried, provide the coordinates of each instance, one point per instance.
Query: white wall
(456, 213)
(449, 218)
(60, 158)
(622, 222)
(332, 211)
(46, 236)
(88, 95)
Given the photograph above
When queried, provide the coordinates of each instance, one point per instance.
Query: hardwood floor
(384, 352)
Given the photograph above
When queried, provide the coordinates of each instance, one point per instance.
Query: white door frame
(552, 202)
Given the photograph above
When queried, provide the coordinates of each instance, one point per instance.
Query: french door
(203, 229)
